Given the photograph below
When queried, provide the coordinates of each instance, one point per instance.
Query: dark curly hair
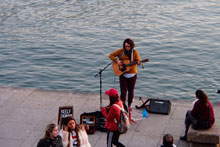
(130, 42)
(202, 96)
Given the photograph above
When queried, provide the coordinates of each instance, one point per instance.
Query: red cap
(112, 92)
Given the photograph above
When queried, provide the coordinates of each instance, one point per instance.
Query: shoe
(184, 138)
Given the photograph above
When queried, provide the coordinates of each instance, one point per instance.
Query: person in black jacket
(51, 137)
(168, 141)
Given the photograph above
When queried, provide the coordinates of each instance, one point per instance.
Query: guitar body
(119, 70)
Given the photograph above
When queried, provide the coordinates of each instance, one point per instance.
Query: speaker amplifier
(159, 106)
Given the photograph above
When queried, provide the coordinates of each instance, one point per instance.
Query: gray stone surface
(211, 136)
(24, 113)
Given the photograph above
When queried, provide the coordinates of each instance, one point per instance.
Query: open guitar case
(97, 119)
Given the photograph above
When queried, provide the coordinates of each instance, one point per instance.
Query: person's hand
(82, 126)
(119, 62)
(86, 127)
(65, 128)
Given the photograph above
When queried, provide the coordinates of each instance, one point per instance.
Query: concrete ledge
(26, 111)
(207, 137)
(203, 145)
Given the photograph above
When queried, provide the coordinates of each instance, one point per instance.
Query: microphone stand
(100, 77)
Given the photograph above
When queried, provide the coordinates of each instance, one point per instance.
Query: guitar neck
(135, 62)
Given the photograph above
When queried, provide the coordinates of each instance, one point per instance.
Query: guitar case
(99, 120)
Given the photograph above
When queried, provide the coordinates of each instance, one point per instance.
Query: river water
(62, 44)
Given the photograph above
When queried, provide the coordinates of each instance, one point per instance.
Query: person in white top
(72, 134)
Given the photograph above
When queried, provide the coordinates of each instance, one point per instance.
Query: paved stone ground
(24, 113)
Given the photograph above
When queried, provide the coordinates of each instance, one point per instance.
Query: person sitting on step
(202, 115)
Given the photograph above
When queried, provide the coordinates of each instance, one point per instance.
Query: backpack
(123, 123)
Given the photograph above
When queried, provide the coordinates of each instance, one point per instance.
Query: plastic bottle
(145, 114)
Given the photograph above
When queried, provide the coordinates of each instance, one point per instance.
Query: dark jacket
(48, 142)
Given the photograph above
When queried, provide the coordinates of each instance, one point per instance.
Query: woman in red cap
(112, 115)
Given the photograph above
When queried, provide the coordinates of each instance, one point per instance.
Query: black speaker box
(159, 106)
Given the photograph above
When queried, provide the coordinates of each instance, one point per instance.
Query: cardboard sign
(64, 111)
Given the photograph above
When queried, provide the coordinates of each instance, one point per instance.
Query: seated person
(73, 135)
(201, 116)
(51, 137)
(168, 141)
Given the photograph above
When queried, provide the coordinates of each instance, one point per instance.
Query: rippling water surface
(61, 45)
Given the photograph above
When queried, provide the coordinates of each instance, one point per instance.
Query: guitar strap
(132, 55)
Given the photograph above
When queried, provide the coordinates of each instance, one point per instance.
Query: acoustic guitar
(125, 67)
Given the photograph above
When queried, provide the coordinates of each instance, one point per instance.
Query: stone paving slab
(24, 114)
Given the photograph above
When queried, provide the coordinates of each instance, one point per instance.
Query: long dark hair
(49, 130)
(66, 121)
(131, 43)
(202, 96)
